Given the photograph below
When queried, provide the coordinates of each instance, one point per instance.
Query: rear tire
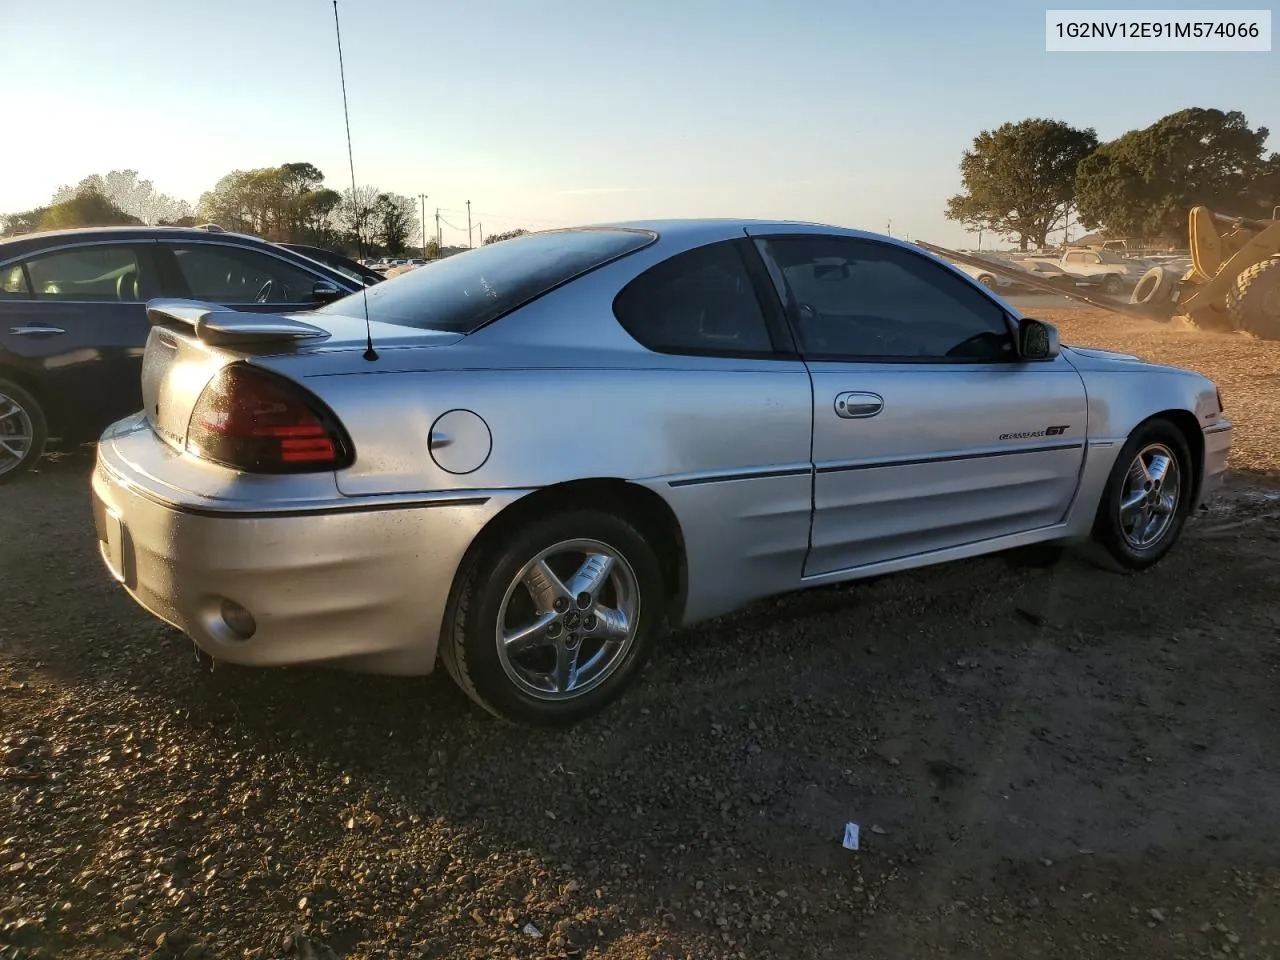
(1112, 284)
(586, 652)
(1146, 501)
(1254, 302)
(23, 431)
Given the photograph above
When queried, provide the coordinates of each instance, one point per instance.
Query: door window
(226, 274)
(702, 301)
(857, 299)
(101, 272)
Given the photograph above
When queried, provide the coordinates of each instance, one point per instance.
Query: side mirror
(1037, 340)
(325, 291)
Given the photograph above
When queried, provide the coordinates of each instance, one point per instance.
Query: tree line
(289, 203)
(1024, 180)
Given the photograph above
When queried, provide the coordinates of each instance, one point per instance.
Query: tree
(510, 234)
(396, 221)
(1144, 183)
(28, 221)
(1019, 179)
(137, 198)
(356, 215)
(288, 203)
(86, 209)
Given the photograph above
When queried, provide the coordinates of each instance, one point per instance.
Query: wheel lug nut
(561, 604)
(553, 630)
(571, 641)
(589, 622)
(584, 600)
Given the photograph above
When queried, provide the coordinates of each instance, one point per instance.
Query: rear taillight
(259, 422)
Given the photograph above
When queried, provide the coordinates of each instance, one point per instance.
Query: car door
(240, 276)
(73, 320)
(928, 431)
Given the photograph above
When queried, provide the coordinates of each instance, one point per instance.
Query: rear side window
(464, 292)
(698, 302)
(226, 274)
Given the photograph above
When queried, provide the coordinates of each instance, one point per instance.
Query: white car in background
(985, 277)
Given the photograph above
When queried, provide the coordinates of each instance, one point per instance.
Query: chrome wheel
(1149, 503)
(16, 433)
(568, 619)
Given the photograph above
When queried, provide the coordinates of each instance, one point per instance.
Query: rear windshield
(463, 292)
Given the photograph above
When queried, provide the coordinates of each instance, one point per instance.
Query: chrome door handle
(857, 406)
(36, 330)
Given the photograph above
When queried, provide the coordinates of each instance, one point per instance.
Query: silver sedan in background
(530, 458)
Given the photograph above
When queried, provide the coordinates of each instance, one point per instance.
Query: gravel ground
(1046, 763)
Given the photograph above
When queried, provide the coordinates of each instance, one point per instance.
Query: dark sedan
(73, 320)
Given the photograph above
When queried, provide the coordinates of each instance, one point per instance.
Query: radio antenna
(369, 352)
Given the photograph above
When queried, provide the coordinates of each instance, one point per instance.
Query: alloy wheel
(1149, 502)
(568, 619)
(16, 433)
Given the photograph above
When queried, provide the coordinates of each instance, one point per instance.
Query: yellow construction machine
(1234, 280)
(1233, 283)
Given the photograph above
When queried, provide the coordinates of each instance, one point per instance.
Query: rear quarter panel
(565, 394)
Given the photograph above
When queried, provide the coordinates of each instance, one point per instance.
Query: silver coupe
(529, 459)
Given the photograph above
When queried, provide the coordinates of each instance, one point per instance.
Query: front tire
(552, 623)
(23, 431)
(1254, 302)
(1147, 497)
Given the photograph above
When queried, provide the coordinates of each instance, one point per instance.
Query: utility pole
(468, 224)
(423, 198)
(480, 227)
(437, 231)
(888, 229)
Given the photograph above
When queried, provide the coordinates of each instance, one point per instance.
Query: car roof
(694, 230)
(45, 238)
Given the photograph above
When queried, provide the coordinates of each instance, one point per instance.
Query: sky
(555, 112)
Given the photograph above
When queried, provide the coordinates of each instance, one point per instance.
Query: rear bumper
(363, 585)
(1217, 448)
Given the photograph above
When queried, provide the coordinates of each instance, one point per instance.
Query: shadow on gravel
(1002, 735)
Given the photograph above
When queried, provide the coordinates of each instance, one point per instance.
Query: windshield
(464, 292)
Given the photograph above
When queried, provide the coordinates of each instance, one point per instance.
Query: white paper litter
(851, 836)
(530, 930)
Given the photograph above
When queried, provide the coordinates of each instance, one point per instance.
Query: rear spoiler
(220, 327)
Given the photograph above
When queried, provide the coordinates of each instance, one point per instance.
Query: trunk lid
(191, 341)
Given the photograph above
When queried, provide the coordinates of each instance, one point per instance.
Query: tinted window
(13, 282)
(225, 274)
(348, 268)
(702, 301)
(106, 271)
(466, 291)
(857, 298)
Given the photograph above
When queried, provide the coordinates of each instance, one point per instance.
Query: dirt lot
(1045, 763)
